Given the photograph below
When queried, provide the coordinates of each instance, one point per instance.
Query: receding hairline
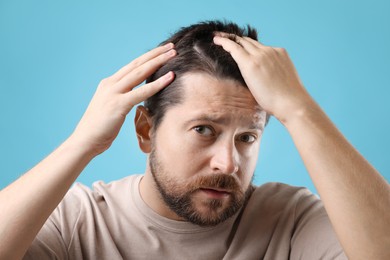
(196, 52)
(184, 95)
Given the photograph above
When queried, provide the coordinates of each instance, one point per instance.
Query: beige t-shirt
(111, 221)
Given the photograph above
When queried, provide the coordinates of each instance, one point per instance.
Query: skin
(217, 127)
(355, 195)
(28, 202)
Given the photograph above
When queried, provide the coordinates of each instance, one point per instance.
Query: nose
(224, 159)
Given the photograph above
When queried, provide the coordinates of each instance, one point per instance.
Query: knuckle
(137, 72)
(260, 56)
(140, 93)
(282, 50)
(254, 63)
(237, 46)
(105, 81)
(268, 49)
(135, 63)
(128, 102)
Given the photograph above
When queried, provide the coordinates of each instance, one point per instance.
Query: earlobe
(143, 125)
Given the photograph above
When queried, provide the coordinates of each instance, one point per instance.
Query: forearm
(26, 204)
(355, 195)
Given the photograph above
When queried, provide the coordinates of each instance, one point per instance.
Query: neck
(151, 196)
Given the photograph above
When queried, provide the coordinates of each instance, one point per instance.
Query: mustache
(216, 181)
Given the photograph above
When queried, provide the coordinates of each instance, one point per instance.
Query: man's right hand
(26, 204)
(116, 96)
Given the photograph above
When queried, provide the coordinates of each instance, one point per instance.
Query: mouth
(215, 193)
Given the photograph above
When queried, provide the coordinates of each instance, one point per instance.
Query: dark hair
(196, 52)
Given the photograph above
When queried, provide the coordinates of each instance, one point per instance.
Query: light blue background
(54, 53)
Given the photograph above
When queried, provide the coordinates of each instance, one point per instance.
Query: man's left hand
(269, 74)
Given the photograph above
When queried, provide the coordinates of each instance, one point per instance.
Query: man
(216, 87)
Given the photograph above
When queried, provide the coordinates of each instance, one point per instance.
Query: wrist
(82, 147)
(299, 113)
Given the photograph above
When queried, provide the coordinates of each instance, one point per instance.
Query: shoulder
(80, 193)
(282, 205)
(83, 203)
(102, 187)
(278, 188)
(279, 195)
(283, 220)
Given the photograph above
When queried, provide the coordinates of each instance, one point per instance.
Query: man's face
(204, 152)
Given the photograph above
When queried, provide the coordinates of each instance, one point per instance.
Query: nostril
(225, 167)
(224, 158)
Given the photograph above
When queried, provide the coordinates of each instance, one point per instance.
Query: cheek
(249, 152)
(248, 163)
(177, 153)
(167, 147)
(247, 171)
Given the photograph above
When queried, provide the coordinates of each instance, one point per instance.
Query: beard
(181, 197)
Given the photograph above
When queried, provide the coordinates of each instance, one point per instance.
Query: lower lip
(214, 193)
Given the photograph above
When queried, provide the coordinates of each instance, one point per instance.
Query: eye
(247, 138)
(204, 130)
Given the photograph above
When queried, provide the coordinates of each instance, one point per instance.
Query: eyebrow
(223, 121)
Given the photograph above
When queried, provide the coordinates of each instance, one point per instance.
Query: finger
(264, 47)
(142, 93)
(139, 74)
(282, 52)
(246, 42)
(253, 41)
(237, 51)
(249, 46)
(141, 60)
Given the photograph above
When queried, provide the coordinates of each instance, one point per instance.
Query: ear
(143, 125)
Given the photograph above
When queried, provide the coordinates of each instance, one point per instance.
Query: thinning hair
(196, 53)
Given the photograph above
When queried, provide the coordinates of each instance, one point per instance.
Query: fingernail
(171, 53)
(169, 46)
(169, 75)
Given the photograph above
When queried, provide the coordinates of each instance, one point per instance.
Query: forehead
(219, 99)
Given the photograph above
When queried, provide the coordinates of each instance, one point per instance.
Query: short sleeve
(52, 241)
(314, 237)
(48, 244)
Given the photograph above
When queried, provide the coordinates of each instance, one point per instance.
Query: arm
(356, 197)
(27, 203)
